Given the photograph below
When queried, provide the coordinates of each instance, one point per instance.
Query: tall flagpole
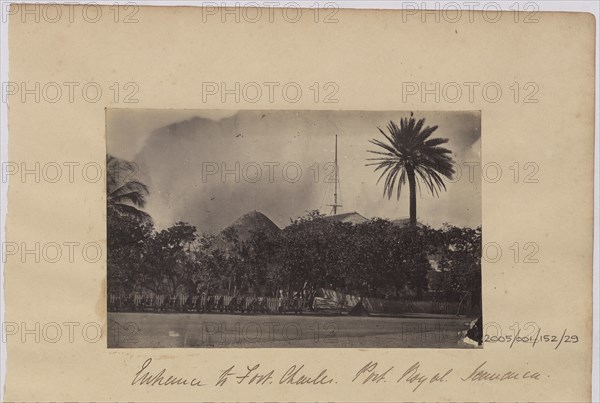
(335, 204)
(336, 179)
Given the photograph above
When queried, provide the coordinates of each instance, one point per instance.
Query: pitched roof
(252, 221)
(346, 216)
(403, 222)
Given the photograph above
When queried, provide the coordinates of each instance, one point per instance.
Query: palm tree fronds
(411, 150)
(124, 194)
(126, 210)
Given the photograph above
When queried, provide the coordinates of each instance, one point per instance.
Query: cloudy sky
(209, 167)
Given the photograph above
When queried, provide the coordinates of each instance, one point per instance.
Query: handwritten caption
(414, 376)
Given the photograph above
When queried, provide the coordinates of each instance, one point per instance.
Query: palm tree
(123, 194)
(412, 155)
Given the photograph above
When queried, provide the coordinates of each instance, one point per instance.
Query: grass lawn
(177, 330)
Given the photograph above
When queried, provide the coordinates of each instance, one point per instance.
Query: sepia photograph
(285, 228)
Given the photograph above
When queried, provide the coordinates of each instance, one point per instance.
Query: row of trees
(376, 258)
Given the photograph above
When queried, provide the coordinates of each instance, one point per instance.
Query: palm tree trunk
(412, 187)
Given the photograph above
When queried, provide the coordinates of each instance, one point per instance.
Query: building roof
(403, 222)
(252, 221)
(353, 217)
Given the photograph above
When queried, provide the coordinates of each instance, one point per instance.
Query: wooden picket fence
(156, 301)
(373, 305)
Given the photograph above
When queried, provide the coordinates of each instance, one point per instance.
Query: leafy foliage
(376, 258)
(460, 262)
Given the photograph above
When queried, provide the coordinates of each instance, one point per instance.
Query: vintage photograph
(293, 228)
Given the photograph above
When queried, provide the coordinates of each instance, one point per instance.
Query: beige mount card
(297, 204)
